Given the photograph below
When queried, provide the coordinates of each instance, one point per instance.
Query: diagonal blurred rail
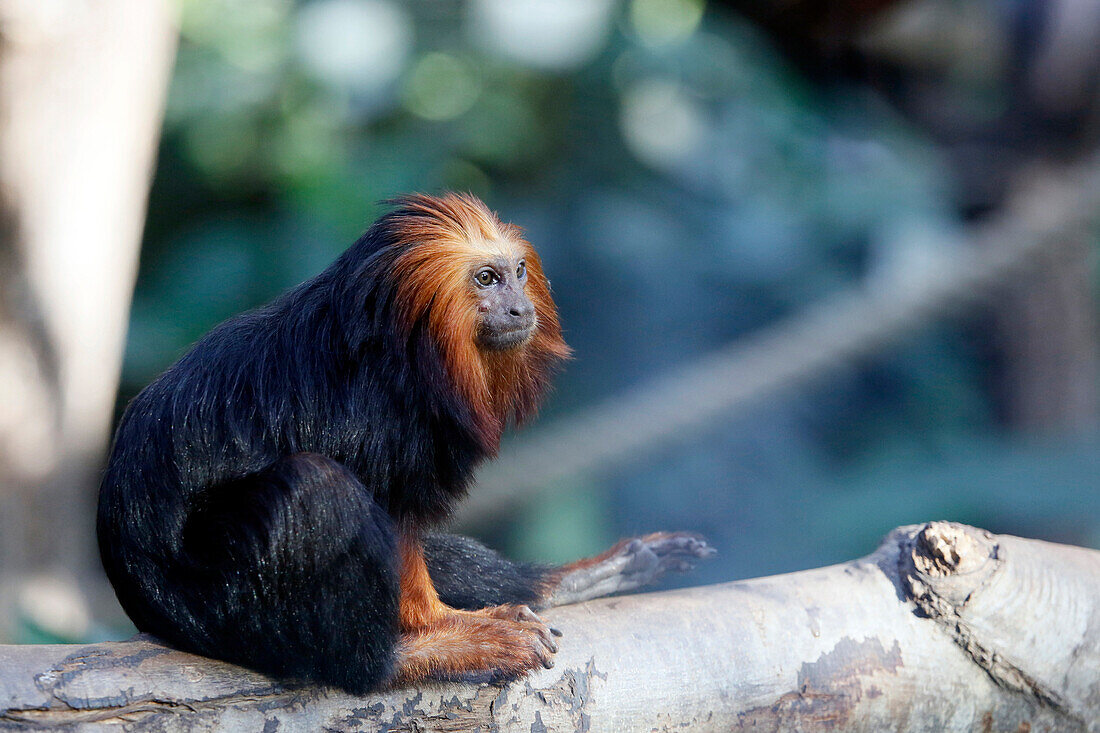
(1047, 207)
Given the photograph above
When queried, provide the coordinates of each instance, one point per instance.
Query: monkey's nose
(522, 310)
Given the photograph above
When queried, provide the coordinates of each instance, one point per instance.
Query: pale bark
(944, 628)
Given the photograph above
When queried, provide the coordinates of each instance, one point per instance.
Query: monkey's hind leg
(469, 575)
(629, 565)
(292, 571)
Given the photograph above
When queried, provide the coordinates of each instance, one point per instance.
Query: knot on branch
(946, 548)
(958, 576)
(943, 563)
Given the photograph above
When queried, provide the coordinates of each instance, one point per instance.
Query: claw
(547, 639)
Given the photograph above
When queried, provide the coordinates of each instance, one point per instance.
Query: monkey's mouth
(502, 340)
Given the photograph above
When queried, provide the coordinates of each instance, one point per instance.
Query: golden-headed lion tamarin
(267, 498)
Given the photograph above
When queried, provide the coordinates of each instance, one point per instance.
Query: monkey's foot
(477, 647)
(629, 565)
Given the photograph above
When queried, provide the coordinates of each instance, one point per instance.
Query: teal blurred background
(692, 173)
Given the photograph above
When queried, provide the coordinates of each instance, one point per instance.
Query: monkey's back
(268, 384)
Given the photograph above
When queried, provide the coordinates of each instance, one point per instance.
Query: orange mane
(444, 240)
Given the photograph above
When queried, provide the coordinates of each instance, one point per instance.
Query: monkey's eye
(486, 277)
(521, 270)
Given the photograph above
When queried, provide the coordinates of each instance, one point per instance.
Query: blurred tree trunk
(82, 87)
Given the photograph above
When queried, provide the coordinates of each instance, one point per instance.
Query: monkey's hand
(534, 646)
(629, 565)
(489, 645)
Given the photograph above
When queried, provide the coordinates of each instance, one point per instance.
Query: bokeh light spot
(250, 36)
(661, 124)
(547, 34)
(665, 22)
(358, 45)
(441, 87)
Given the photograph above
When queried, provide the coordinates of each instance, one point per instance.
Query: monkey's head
(478, 287)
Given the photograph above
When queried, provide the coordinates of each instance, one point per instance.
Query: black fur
(469, 575)
(249, 504)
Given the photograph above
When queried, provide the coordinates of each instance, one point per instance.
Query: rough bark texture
(945, 627)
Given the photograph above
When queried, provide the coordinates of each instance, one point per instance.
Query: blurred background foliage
(691, 172)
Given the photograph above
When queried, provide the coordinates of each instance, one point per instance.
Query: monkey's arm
(469, 575)
(629, 565)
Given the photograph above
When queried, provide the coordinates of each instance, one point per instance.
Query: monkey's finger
(679, 543)
(524, 613)
(545, 636)
(546, 632)
(545, 655)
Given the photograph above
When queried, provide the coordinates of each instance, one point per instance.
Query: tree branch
(944, 627)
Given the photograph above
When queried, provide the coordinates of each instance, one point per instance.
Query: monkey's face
(506, 315)
(478, 286)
